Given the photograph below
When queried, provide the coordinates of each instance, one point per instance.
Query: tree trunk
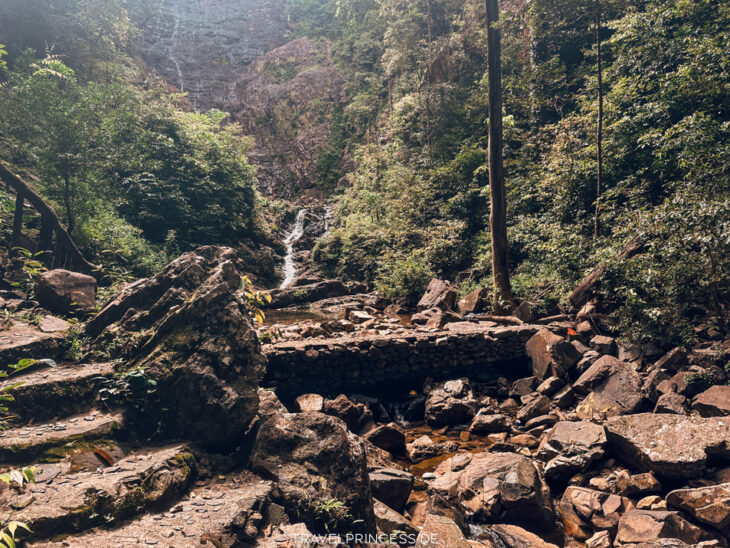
(67, 202)
(503, 300)
(599, 128)
(17, 221)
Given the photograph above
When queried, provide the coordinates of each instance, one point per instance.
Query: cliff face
(232, 55)
(285, 100)
(201, 46)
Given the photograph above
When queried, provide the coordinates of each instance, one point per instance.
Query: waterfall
(290, 269)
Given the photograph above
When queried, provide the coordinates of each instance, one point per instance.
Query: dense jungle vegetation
(138, 179)
(416, 205)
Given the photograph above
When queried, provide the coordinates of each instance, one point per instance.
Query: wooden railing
(63, 253)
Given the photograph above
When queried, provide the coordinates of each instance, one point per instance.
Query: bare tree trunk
(599, 128)
(67, 203)
(503, 299)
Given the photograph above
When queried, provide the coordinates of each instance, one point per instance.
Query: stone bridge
(395, 363)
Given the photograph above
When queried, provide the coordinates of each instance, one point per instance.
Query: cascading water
(290, 269)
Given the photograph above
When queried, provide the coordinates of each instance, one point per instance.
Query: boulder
(389, 437)
(392, 523)
(314, 458)
(424, 448)
(550, 386)
(452, 403)
(391, 486)
(713, 402)
(670, 403)
(355, 416)
(269, 404)
(571, 447)
(604, 345)
(438, 531)
(551, 355)
(511, 536)
(710, 505)
(675, 446)
(585, 511)
(537, 406)
(637, 526)
(523, 387)
(437, 505)
(310, 403)
(485, 423)
(673, 360)
(439, 294)
(187, 340)
(496, 488)
(614, 386)
(64, 291)
(475, 302)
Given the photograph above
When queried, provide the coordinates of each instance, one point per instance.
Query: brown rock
(485, 423)
(670, 403)
(439, 531)
(452, 403)
(475, 302)
(673, 360)
(313, 457)
(710, 505)
(550, 386)
(391, 522)
(310, 403)
(389, 437)
(551, 355)
(391, 486)
(438, 295)
(571, 447)
(713, 402)
(536, 407)
(604, 345)
(522, 387)
(637, 526)
(584, 510)
(615, 389)
(64, 291)
(438, 506)
(342, 408)
(496, 487)
(676, 446)
(516, 537)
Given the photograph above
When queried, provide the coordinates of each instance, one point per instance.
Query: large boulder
(192, 360)
(314, 459)
(613, 388)
(475, 302)
(585, 511)
(675, 446)
(638, 526)
(713, 402)
(391, 486)
(496, 488)
(451, 403)
(710, 505)
(571, 447)
(64, 291)
(439, 294)
(551, 355)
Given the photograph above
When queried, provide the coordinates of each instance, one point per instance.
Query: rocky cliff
(201, 46)
(233, 55)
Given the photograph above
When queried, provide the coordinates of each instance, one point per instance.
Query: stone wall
(393, 363)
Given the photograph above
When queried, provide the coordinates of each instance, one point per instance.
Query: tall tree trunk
(599, 125)
(67, 203)
(503, 300)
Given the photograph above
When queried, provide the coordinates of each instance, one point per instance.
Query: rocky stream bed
(165, 433)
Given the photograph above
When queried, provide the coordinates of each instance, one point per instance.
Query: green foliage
(33, 267)
(8, 531)
(333, 514)
(255, 300)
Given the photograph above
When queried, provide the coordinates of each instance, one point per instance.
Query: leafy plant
(8, 531)
(254, 299)
(77, 342)
(33, 267)
(19, 477)
(334, 514)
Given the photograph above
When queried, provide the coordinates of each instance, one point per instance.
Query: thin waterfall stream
(290, 269)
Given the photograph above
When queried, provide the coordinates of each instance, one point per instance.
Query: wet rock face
(313, 458)
(201, 47)
(195, 342)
